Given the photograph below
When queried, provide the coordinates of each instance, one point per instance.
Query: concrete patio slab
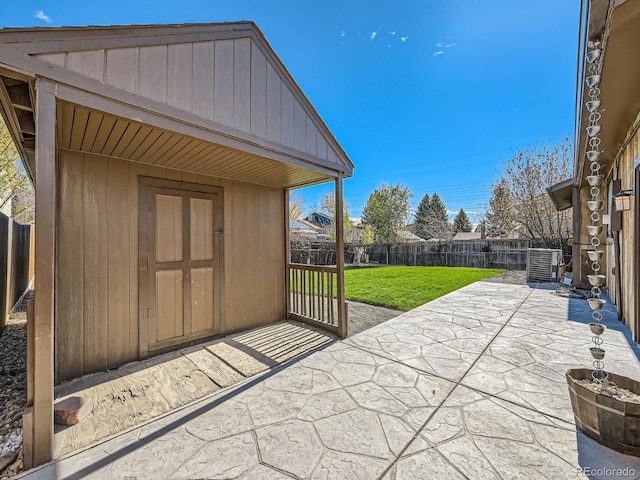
(138, 392)
(469, 386)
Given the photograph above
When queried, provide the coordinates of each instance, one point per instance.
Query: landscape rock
(13, 390)
(72, 410)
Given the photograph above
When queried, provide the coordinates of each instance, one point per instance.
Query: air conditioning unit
(543, 264)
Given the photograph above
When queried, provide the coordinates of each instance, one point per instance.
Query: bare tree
(328, 205)
(526, 176)
(296, 206)
(16, 193)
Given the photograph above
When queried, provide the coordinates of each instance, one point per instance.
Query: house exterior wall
(96, 314)
(230, 81)
(626, 300)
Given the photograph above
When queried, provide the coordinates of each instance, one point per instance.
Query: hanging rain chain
(595, 205)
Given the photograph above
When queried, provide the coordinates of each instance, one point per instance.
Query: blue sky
(431, 94)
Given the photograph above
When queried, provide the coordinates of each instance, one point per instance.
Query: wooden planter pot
(608, 421)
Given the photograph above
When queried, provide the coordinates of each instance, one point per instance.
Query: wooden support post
(27, 438)
(287, 254)
(45, 272)
(27, 416)
(339, 219)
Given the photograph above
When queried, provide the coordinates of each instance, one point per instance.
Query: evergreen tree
(423, 214)
(432, 220)
(501, 214)
(462, 223)
(439, 210)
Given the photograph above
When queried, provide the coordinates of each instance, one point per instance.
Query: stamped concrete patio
(470, 385)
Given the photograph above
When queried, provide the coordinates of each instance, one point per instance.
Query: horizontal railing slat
(314, 268)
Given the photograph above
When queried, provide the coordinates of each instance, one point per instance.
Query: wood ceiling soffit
(110, 139)
(190, 128)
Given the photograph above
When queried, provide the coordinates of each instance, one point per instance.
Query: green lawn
(408, 287)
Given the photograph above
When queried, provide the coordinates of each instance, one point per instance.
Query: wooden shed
(162, 157)
(616, 24)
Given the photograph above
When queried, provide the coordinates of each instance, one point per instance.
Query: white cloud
(439, 52)
(40, 15)
(404, 39)
(449, 45)
(343, 33)
(373, 35)
(392, 33)
(439, 44)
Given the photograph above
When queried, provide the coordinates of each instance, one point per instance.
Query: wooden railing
(314, 296)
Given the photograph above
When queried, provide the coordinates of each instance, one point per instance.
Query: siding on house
(626, 299)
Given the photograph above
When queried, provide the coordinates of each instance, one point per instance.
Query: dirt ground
(513, 277)
(363, 316)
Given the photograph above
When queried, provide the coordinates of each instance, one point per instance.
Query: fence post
(8, 293)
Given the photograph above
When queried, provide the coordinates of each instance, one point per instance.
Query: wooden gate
(180, 227)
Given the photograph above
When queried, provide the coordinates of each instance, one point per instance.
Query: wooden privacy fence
(318, 253)
(16, 263)
(313, 295)
(507, 254)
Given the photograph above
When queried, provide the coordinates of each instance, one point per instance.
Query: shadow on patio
(141, 391)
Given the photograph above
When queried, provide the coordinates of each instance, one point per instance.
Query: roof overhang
(561, 194)
(98, 118)
(619, 22)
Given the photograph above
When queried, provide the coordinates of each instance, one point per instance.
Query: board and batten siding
(96, 314)
(230, 81)
(629, 284)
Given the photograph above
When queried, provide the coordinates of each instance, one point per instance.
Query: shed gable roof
(225, 73)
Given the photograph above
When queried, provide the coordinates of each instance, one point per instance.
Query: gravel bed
(621, 394)
(13, 388)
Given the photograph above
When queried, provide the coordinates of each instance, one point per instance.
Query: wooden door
(180, 230)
